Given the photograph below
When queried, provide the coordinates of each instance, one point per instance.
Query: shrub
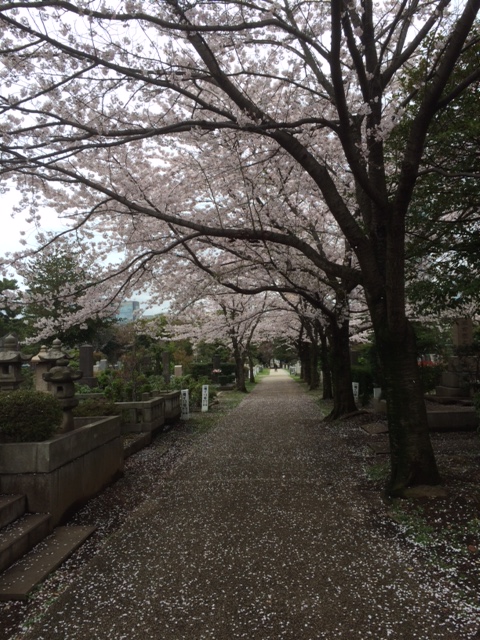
(95, 407)
(119, 387)
(430, 375)
(362, 374)
(28, 416)
(85, 389)
(205, 370)
(194, 387)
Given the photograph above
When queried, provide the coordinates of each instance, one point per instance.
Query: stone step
(11, 508)
(19, 580)
(18, 538)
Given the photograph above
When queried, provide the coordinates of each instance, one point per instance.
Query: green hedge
(205, 369)
(28, 416)
(95, 407)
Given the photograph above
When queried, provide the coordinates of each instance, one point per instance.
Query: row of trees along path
(203, 130)
(261, 533)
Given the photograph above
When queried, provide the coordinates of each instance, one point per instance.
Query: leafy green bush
(95, 407)
(205, 370)
(201, 369)
(362, 374)
(28, 416)
(118, 387)
(194, 387)
(85, 389)
(430, 375)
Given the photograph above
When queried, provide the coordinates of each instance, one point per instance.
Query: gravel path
(261, 533)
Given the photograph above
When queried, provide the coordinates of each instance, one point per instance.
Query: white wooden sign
(356, 389)
(185, 404)
(205, 397)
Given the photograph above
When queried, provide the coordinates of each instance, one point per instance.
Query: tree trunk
(305, 362)
(325, 366)
(240, 381)
(250, 369)
(412, 458)
(313, 362)
(343, 400)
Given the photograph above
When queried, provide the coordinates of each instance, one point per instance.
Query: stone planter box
(172, 405)
(454, 418)
(59, 475)
(144, 416)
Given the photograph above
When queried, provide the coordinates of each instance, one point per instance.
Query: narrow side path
(262, 534)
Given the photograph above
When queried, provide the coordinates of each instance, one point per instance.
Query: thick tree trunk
(343, 400)
(251, 368)
(325, 366)
(314, 361)
(412, 458)
(240, 380)
(305, 362)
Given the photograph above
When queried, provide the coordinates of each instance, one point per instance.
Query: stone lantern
(61, 379)
(11, 361)
(44, 360)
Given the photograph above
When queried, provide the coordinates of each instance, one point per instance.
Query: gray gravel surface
(261, 533)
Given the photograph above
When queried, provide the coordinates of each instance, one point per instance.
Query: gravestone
(86, 365)
(461, 369)
(462, 332)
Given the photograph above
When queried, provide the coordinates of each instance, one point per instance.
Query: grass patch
(449, 536)
(201, 422)
(413, 524)
(378, 472)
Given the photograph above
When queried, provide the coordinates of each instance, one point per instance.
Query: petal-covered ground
(264, 528)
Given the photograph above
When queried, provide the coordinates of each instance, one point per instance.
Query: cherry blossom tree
(252, 268)
(116, 115)
(206, 311)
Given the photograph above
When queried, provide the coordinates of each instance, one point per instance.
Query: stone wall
(60, 474)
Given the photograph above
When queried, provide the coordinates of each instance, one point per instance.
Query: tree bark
(412, 457)
(240, 380)
(325, 366)
(305, 374)
(343, 400)
(250, 369)
(314, 362)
